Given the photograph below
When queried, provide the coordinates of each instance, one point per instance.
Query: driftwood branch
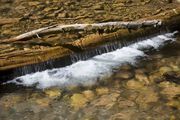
(85, 27)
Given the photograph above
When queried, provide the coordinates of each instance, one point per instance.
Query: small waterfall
(106, 48)
(88, 72)
(68, 60)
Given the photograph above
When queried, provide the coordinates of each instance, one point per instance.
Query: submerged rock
(164, 70)
(170, 90)
(53, 92)
(126, 67)
(10, 100)
(133, 84)
(146, 97)
(78, 100)
(124, 115)
(124, 104)
(101, 91)
(43, 102)
(155, 77)
(106, 101)
(89, 94)
(124, 75)
(174, 104)
(142, 78)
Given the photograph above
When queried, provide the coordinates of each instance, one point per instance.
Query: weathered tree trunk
(169, 20)
(85, 27)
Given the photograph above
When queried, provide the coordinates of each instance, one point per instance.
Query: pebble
(63, 15)
(106, 100)
(164, 69)
(147, 96)
(124, 75)
(53, 92)
(102, 90)
(169, 89)
(43, 102)
(34, 3)
(10, 100)
(142, 78)
(125, 103)
(174, 104)
(133, 84)
(78, 100)
(89, 94)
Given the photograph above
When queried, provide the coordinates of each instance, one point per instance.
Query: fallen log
(169, 21)
(157, 20)
(84, 27)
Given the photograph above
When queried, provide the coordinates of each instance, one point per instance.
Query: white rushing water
(89, 71)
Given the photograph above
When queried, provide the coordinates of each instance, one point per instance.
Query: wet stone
(106, 100)
(164, 69)
(10, 100)
(63, 15)
(174, 104)
(146, 97)
(126, 67)
(34, 3)
(142, 78)
(124, 75)
(124, 115)
(89, 94)
(78, 100)
(98, 7)
(133, 84)
(125, 103)
(47, 9)
(101, 91)
(43, 102)
(169, 89)
(155, 77)
(53, 92)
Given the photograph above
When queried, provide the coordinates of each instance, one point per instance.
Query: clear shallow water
(90, 71)
(150, 90)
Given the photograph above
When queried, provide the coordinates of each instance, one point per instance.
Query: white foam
(89, 71)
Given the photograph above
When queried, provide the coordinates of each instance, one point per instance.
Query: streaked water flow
(90, 71)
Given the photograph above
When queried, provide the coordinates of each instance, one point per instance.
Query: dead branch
(84, 27)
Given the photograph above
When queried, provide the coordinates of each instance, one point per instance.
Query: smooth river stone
(124, 75)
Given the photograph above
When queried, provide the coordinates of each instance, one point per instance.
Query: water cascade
(88, 72)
